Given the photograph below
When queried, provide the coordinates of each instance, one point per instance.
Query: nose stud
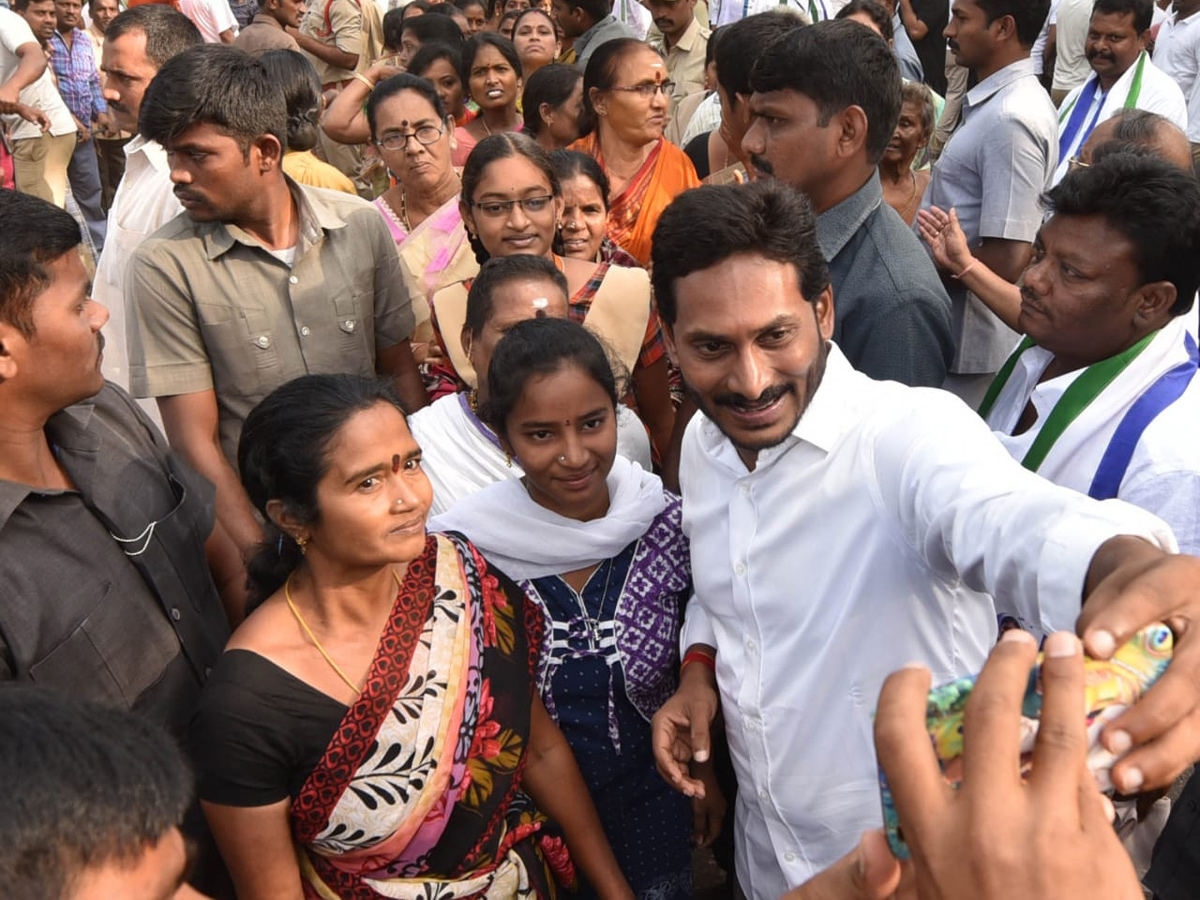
(562, 458)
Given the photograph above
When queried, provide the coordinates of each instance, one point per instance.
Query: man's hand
(30, 114)
(1132, 584)
(868, 872)
(680, 729)
(997, 837)
(708, 810)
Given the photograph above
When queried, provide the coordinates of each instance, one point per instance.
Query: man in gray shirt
(994, 170)
(589, 23)
(825, 103)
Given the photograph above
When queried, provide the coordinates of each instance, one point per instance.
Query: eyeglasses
(494, 209)
(648, 90)
(1076, 163)
(426, 134)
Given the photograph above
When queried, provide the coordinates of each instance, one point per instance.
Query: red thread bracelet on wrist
(701, 657)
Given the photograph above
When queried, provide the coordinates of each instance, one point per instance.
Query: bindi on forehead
(395, 462)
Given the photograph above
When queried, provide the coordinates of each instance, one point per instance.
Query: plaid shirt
(78, 78)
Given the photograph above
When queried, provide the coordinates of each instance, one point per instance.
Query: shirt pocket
(98, 660)
(241, 347)
(353, 331)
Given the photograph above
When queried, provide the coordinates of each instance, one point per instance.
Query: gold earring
(301, 542)
(508, 459)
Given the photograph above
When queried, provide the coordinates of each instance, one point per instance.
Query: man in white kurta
(1142, 86)
(840, 528)
(1100, 207)
(1177, 52)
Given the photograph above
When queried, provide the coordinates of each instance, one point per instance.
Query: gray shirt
(107, 594)
(211, 308)
(607, 29)
(906, 52)
(994, 171)
(891, 313)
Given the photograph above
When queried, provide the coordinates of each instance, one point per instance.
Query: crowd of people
(498, 448)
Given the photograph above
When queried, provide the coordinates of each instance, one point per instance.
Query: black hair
(569, 164)
(741, 44)
(85, 786)
(1154, 204)
(707, 225)
(444, 9)
(837, 64)
(497, 272)
(219, 85)
(512, 15)
(873, 10)
(487, 39)
(19, 6)
(601, 74)
(284, 452)
(301, 88)
(1028, 15)
(464, 5)
(502, 146)
(422, 5)
(1139, 126)
(33, 233)
(393, 28)
(593, 9)
(392, 86)
(1141, 10)
(552, 84)
(710, 48)
(541, 347)
(433, 28)
(431, 53)
(168, 33)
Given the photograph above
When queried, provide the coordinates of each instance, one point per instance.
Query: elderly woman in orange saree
(626, 93)
(373, 729)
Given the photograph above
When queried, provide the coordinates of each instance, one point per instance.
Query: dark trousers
(83, 173)
(110, 153)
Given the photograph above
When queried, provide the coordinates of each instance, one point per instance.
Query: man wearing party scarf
(842, 527)
(1123, 77)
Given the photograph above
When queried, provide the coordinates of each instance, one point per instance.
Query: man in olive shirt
(259, 281)
(268, 31)
(104, 532)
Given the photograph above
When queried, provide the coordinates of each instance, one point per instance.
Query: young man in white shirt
(1100, 396)
(137, 43)
(214, 18)
(1122, 77)
(842, 527)
(1177, 52)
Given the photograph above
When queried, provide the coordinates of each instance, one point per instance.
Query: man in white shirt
(137, 43)
(1123, 77)
(40, 157)
(1070, 25)
(1177, 52)
(1115, 270)
(842, 527)
(214, 18)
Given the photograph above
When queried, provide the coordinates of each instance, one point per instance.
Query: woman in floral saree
(373, 728)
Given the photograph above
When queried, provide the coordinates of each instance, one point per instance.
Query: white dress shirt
(143, 203)
(1164, 471)
(211, 17)
(1177, 52)
(1158, 94)
(871, 537)
(42, 94)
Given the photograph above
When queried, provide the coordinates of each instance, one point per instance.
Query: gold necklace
(287, 595)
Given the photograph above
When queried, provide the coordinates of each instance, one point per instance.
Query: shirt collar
(66, 430)
(839, 223)
(264, 19)
(995, 82)
(688, 39)
(315, 219)
(582, 41)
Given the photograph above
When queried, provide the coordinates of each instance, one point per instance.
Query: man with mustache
(683, 43)
(825, 103)
(103, 530)
(1177, 52)
(994, 170)
(842, 527)
(260, 281)
(268, 30)
(1123, 77)
(137, 43)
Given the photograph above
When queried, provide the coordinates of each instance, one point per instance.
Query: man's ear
(854, 128)
(668, 334)
(10, 340)
(1154, 303)
(465, 338)
(270, 152)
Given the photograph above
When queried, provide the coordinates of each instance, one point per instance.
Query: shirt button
(789, 856)
(750, 645)
(207, 671)
(293, 279)
(740, 568)
(762, 795)
(263, 341)
(349, 325)
(176, 614)
(745, 489)
(304, 331)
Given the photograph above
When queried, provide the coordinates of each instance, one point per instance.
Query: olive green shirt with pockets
(212, 309)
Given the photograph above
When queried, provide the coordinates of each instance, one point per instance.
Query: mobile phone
(1111, 686)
